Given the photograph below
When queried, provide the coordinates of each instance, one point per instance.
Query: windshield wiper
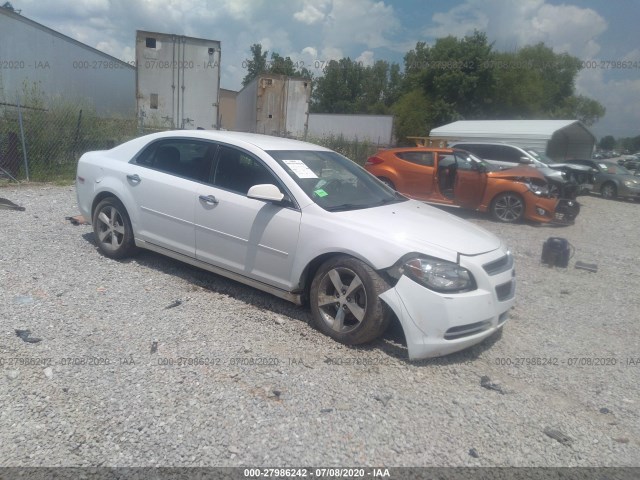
(398, 197)
(347, 206)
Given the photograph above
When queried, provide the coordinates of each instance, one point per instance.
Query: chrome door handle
(134, 178)
(208, 199)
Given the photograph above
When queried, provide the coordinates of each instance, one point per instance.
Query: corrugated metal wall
(376, 129)
(62, 67)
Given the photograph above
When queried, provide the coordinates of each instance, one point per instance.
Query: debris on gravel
(235, 377)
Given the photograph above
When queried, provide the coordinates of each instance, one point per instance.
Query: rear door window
(187, 158)
(419, 158)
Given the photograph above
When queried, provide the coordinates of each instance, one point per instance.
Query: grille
(505, 291)
(498, 266)
(467, 330)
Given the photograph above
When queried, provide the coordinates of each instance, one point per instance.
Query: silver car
(567, 180)
(612, 180)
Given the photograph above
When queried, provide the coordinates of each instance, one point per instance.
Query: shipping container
(274, 105)
(177, 81)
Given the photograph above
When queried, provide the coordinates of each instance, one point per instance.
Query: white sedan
(306, 224)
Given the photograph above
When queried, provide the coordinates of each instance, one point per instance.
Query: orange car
(456, 177)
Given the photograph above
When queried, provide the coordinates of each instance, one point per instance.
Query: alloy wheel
(342, 299)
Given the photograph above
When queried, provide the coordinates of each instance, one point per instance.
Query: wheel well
(386, 179)
(519, 195)
(101, 196)
(609, 182)
(310, 271)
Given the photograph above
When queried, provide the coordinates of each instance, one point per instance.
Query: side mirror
(480, 167)
(526, 160)
(267, 192)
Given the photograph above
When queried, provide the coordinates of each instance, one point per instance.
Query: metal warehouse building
(560, 139)
(61, 67)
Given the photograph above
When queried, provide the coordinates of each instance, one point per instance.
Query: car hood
(570, 166)
(517, 172)
(414, 226)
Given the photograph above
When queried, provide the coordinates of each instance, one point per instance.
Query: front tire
(508, 207)
(112, 228)
(345, 303)
(608, 190)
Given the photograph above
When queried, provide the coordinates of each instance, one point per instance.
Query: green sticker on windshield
(320, 192)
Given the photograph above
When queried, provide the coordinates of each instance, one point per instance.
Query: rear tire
(112, 228)
(345, 303)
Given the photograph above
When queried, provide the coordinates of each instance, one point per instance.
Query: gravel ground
(99, 389)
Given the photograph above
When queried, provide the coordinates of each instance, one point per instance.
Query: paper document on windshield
(299, 168)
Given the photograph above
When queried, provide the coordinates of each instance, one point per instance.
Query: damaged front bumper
(566, 212)
(437, 324)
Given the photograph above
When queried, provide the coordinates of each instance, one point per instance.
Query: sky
(604, 34)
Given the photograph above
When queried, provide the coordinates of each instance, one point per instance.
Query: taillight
(373, 161)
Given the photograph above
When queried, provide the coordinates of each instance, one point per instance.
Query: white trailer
(274, 105)
(177, 81)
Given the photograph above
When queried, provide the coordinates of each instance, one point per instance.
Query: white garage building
(560, 139)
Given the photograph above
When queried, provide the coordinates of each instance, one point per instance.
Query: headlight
(540, 190)
(631, 183)
(438, 275)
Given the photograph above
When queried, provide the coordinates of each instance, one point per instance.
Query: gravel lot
(97, 391)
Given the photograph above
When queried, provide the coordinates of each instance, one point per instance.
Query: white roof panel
(507, 128)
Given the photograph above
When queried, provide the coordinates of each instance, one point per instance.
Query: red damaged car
(455, 177)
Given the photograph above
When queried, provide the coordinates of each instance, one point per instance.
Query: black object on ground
(556, 252)
(485, 382)
(9, 205)
(25, 336)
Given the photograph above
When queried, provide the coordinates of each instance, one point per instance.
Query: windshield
(334, 182)
(613, 168)
(468, 161)
(540, 156)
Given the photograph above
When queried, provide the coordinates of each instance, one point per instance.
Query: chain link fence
(43, 143)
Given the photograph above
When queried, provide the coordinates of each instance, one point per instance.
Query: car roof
(264, 142)
(473, 142)
(417, 149)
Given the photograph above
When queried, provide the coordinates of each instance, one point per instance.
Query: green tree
(256, 65)
(631, 143)
(455, 75)
(412, 114)
(585, 109)
(348, 86)
(607, 142)
(535, 82)
(278, 65)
